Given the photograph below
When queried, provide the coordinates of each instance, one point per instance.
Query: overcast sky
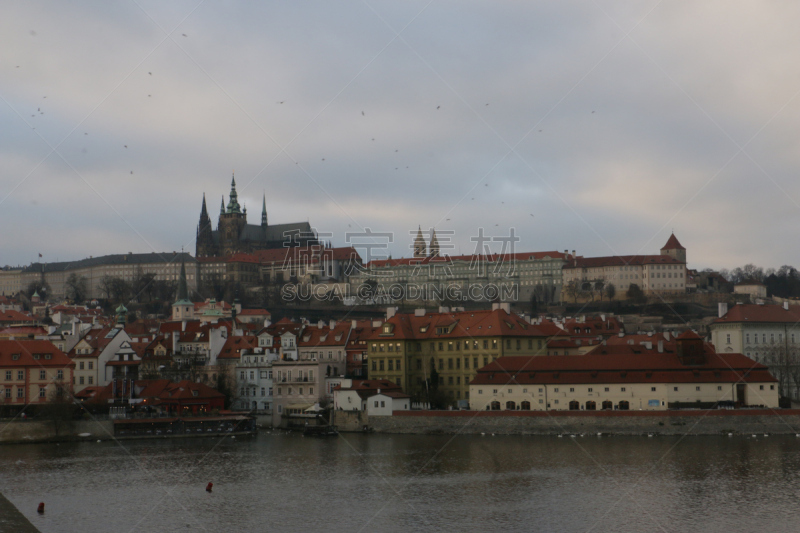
(596, 127)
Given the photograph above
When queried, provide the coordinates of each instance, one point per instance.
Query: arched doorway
(608, 404)
(623, 406)
(511, 406)
(495, 406)
(525, 406)
(591, 406)
(574, 405)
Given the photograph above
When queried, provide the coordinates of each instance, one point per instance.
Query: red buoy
(41, 508)
(208, 488)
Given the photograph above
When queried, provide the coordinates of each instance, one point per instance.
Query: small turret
(264, 212)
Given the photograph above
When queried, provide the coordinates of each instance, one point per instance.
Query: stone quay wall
(29, 431)
(683, 422)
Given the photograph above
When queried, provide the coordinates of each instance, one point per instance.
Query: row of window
(607, 389)
(244, 391)
(81, 382)
(21, 392)
(290, 391)
(21, 375)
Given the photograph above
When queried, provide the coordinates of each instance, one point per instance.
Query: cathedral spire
(434, 247)
(264, 211)
(204, 211)
(222, 206)
(233, 204)
(420, 248)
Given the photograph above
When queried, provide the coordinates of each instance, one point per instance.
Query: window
(80, 380)
(20, 375)
(571, 389)
(91, 380)
(380, 365)
(760, 387)
(652, 389)
(42, 374)
(697, 388)
(590, 389)
(391, 364)
(8, 375)
(450, 364)
(91, 365)
(20, 392)
(42, 392)
(772, 387)
(80, 365)
(622, 389)
(719, 387)
(441, 364)
(376, 403)
(8, 393)
(728, 338)
(555, 390)
(675, 389)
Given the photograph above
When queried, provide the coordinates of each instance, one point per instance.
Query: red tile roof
(26, 350)
(673, 244)
(761, 313)
(621, 260)
(483, 323)
(15, 316)
(620, 368)
(476, 258)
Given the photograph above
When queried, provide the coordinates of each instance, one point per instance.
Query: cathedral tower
(434, 247)
(231, 223)
(205, 241)
(420, 248)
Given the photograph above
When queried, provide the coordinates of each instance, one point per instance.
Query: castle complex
(234, 235)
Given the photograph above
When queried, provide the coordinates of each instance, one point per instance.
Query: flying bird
(126, 146)
(438, 106)
(183, 34)
(592, 111)
(531, 214)
(362, 114)
(131, 171)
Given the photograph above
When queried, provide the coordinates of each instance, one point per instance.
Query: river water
(286, 482)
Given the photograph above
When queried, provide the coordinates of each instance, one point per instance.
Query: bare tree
(77, 288)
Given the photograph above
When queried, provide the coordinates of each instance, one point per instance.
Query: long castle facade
(234, 235)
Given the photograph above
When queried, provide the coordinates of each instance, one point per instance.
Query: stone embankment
(24, 431)
(683, 422)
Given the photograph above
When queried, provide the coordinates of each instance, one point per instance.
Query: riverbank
(12, 520)
(682, 422)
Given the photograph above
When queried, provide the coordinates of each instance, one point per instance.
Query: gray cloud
(618, 140)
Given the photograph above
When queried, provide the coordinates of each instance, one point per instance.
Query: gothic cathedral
(234, 235)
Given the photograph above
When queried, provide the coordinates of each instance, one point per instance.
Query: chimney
(332, 324)
(648, 345)
(603, 317)
(722, 309)
(376, 323)
(183, 325)
(786, 304)
(495, 306)
(320, 324)
(390, 311)
(621, 334)
(506, 306)
(660, 346)
(666, 335)
(353, 324)
(444, 309)
(419, 312)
